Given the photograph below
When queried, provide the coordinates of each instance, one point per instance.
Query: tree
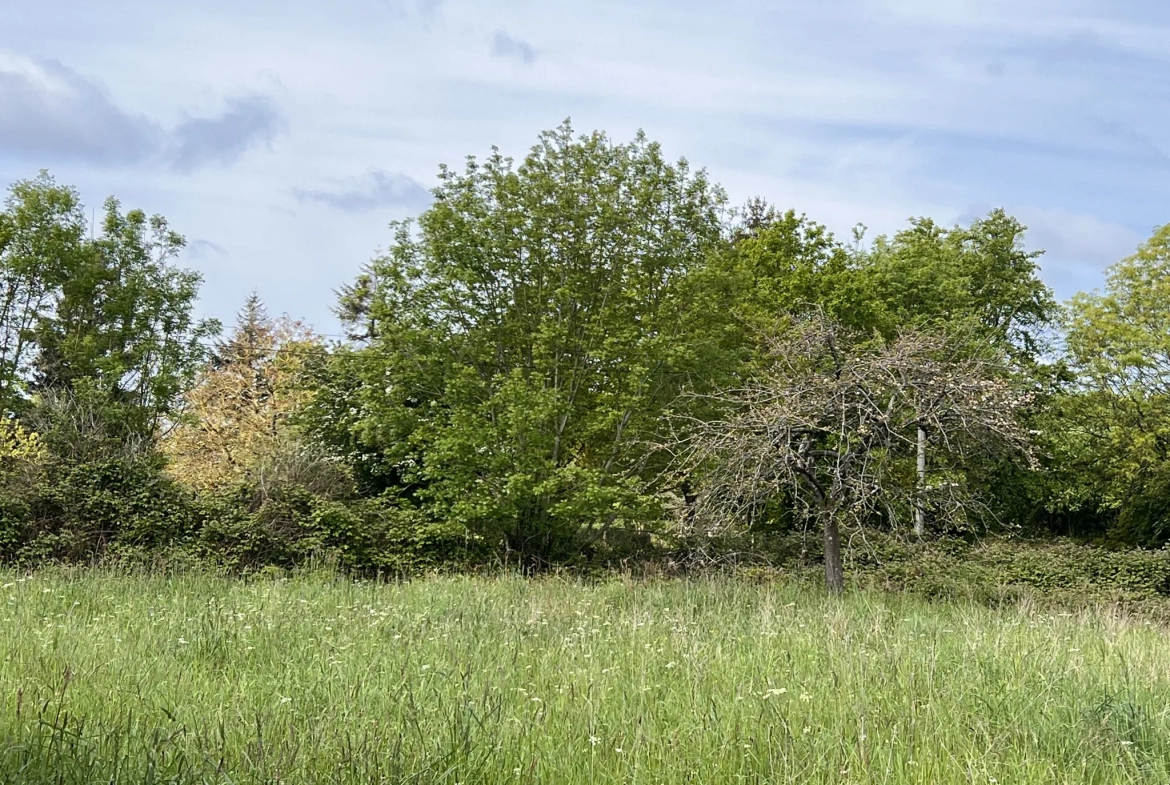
(523, 344)
(832, 427)
(928, 276)
(239, 413)
(119, 332)
(1119, 427)
(979, 276)
(784, 264)
(42, 240)
(977, 280)
(93, 331)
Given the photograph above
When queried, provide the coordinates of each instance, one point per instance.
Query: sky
(281, 137)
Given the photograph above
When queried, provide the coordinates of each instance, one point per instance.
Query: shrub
(77, 512)
(287, 526)
(999, 570)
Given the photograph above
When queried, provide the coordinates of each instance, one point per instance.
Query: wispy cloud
(1131, 140)
(508, 46)
(377, 189)
(1076, 245)
(857, 110)
(420, 7)
(48, 110)
(203, 249)
(222, 139)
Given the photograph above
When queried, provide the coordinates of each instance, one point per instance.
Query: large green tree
(1117, 423)
(525, 341)
(42, 239)
(928, 276)
(97, 343)
(95, 322)
(122, 328)
(980, 276)
(781, 264)
(978, 282)
(827, 421)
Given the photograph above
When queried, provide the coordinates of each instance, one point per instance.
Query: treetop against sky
(280, 138)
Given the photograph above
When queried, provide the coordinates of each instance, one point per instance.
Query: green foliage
(783, 264)
(1081, 568)
(518, 358)
(977, 281)
(122, 324)
(1118, 419)
(126, 509)
(107, 319)
(79, 511)
(1048, 572)
(246, 529)
(927, 275)
(97, 344)
(525, 342)
(332, 417)
(1143, 516)
(42, 240)
(997, 570)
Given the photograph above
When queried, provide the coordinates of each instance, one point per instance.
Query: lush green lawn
(197, 679)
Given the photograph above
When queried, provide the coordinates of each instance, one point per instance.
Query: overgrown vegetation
(532, 363)
(196, 679)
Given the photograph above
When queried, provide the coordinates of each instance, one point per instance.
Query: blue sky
(282, 136)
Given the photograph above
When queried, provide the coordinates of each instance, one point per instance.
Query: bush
(998, 570)
(992, 571)
(287, 526)
(1065, 565)
(292, 510)
(77, 512)
(1143, 519)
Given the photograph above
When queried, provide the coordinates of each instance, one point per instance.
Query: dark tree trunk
(834, 570)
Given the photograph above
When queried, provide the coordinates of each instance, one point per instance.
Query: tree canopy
(523, 343)
(106, 322)
(527, 359)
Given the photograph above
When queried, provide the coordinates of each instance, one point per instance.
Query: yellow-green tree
(1116, 428)
(237, 416)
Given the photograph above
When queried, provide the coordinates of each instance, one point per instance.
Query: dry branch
(832, 426)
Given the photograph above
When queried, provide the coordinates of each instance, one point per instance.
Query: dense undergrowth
(1002, 571)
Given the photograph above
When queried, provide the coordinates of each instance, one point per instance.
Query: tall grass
(197, 679)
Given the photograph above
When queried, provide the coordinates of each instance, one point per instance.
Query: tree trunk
(834, 570)
(919, 501)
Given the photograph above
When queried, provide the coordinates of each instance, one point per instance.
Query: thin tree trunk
(919, 502)
(834, 569)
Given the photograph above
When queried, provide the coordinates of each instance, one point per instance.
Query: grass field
(113, 678)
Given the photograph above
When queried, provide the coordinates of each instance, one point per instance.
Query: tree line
(585, 355)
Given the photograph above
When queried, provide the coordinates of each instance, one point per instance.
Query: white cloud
(45, 108)
(48, 110)
(222, 139)
(1077, 246)
(199, 249)
(859, 110)
(377, 189)
(508, 47)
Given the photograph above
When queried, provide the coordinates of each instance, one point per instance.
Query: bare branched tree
(832, 427)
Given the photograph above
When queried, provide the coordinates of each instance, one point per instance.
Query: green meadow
(116, 678)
